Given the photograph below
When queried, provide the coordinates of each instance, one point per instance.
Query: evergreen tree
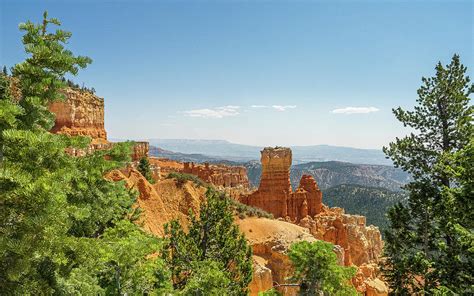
(212, 244)
(144, 169)
(425, 246)
(64, 228)
(4, 71)
(317, 270)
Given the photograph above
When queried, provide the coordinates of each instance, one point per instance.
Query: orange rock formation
(270, 241)
(227, 178)
(161, 202)
(219, 175)
(82, 114)
(361, 245)
(275, 195)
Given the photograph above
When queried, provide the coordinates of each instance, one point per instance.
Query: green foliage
(371, 202)
(64, 228)
(213, 237)
(182, 178)
(243, 210)
(41, 74)
(144, 169)
(317, 271)
(207, 278)
(429, 243)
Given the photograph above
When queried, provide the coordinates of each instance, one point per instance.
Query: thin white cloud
(283, 108)
(218, 112)
(355, 110)
(259, 106)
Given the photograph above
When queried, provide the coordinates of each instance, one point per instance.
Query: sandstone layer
(232, 179)
(361, 245)
(161, 202)
(275, 195)
(219, 175)
(80, 114)
(270, 241)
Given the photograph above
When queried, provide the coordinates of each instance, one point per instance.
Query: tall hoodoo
(275, 195)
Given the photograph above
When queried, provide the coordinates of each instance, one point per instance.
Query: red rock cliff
(275, 195)
(360, 244)
(80, 114)
(219, 175)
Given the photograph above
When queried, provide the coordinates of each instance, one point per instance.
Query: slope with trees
(371, 202)
(64, 228)
(429, 245)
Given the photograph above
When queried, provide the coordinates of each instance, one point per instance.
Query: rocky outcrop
(232, 179)
(218, 175)
(270, 241)
(360, 245)
(262, 279)
(161, 202)
(80, 114)
(140, 150)
(275, 195)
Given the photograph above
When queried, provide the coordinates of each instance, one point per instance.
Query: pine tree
(317, 270)
(422, 247)
(144, 169)
(64, 228)
(213, 240)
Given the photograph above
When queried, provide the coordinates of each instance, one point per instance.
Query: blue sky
(260, 73)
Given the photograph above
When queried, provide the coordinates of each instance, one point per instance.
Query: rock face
(359, 244)
(362, 244)
(275, 195)
(161, 202)
(219, 175)
(81, 114)
(140, 150)
(232, 179)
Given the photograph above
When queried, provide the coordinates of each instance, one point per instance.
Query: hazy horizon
(254, 73)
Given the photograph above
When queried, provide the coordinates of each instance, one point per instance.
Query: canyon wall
(80, 114)
(232, 179)
(275, 195)
(361, 245)
(218, 175)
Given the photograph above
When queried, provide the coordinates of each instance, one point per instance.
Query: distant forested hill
(332, 173)
(371, 202)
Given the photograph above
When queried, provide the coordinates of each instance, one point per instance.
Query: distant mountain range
(221, 149)
(327, 173)
(333, 173)
(364, 189)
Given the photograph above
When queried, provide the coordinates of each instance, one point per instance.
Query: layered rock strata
(82, 114)
(231, 179)
(360, 245)
(275, 194)
(219, 175)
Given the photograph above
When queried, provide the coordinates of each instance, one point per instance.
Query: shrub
(182, 178)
